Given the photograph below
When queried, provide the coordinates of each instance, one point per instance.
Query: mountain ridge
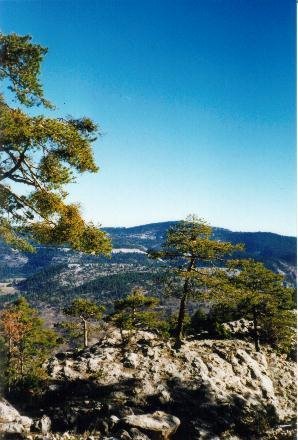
(172, 222)
(54, 271)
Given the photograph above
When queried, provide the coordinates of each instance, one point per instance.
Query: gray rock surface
(11, 422)
(208, 389)
(239, 327)
(228, 368)
(159, 425)
(44, 424)
(207, 382)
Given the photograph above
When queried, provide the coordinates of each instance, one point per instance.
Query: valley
(53, 276)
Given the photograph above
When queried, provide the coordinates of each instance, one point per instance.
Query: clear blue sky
(195, 99)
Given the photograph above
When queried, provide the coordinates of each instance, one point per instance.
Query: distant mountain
(54, 270)
(277, 252)
(264, 246)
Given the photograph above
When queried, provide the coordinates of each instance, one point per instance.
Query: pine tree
(259, 295)
(84, 310)
(39, 155)
(27, 343)
(189, 245)
(136, 311)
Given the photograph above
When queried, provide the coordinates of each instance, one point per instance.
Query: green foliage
(26, 345)
(70, 332)
(135, 312)
(259, 295)
(20, 63)
(189, 243)
(84, 310)
(41, 154)
(210, 324)
(199, 322)
(278, 329)
(172, 324)
(192, 239)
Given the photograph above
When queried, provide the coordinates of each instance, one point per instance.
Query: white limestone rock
(161, 424)
(11, 422)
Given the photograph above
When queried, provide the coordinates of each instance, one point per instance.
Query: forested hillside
(56, 274)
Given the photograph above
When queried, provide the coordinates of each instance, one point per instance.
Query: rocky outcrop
(147, 390)
(11, 422)
(221, 388)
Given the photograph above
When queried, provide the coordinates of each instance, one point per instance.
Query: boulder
(11, 422)
(158, 425)
(44, 424)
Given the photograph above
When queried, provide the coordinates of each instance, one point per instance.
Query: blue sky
(195, 100)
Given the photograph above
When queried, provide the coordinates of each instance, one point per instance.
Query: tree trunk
(256, 331)
(22, 359)
(85, 333)
(181, 316)
(22, 366)
(9, 347)
(9, 363)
